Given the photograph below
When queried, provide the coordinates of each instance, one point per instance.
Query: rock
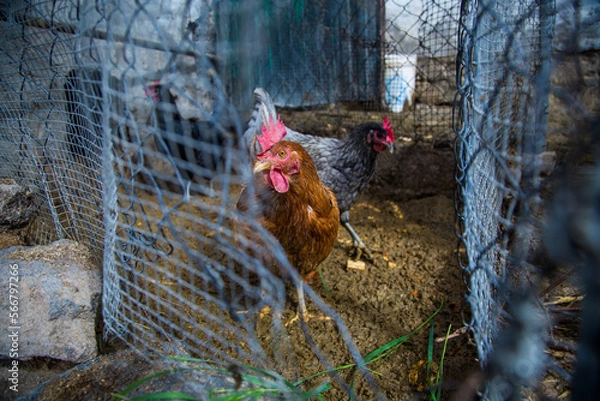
(56, 297)
(10, 238)
(17, 205)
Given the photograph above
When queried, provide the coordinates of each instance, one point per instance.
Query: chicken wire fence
(82, 128)
(79, 126)
(526, 120)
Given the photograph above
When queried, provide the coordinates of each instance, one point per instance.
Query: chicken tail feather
(264, 112)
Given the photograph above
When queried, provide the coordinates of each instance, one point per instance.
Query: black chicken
(85, 107)
(344, 165)
(192, 146)
(83, 93)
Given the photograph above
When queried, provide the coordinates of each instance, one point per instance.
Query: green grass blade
(164, 396)
(267, 382)
(317, 391)
(440, 373)
(429, 354)
(259, 379)
(387, 349)
(324, 372)
(327, 291)
(380, 353)
(256, 393)
(137, 383)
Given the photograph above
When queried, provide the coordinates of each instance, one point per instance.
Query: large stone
(57, 296)
(17, 205)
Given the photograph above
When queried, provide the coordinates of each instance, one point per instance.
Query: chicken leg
(302, 312)
(359, 245)
(301, 302)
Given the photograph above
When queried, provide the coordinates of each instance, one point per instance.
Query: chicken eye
(282, 153)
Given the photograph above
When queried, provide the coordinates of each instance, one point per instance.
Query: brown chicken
(291, 202)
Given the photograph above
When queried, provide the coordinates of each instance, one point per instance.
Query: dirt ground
(415, 271)
(406, 217)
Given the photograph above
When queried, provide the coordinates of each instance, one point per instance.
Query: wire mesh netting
(126, 118)
(525, 83)
(505, 106)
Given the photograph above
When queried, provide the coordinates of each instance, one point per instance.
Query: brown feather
(305, 219)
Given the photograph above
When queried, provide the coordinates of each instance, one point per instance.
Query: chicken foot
(359, 245)
(302, 313)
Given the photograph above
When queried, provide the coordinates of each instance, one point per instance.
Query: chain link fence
(528, 86)
(79, 126)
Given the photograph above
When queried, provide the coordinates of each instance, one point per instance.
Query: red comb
(387, 126)
(271, 134)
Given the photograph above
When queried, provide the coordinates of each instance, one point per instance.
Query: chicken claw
(358, 244)
(302, 313)
(298, 316)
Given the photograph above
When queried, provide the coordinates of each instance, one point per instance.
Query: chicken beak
(262, 165)
(391, 147)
